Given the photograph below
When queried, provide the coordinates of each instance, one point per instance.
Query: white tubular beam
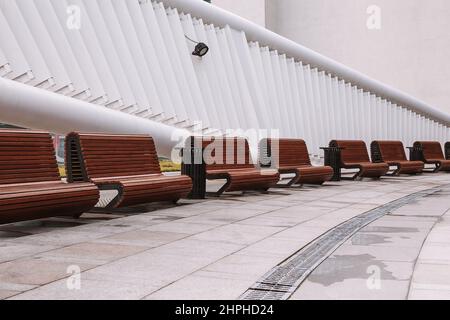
(30, 107)
(220, 18)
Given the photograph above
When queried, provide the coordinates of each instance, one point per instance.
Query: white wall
(410, 52)
(253, 10)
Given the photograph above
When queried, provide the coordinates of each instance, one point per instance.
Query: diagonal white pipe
(35, 108)
(219, 17)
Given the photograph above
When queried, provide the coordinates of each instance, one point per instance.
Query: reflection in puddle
(339, 268)
(366, 239)
(378, 229)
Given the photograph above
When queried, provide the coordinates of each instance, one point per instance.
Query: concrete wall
(253, 10)
(410, 51)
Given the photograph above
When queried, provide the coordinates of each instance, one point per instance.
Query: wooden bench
(290, 156)
(229, 159)
(30, 185)
(354, 155)
(430, 152)
(126, 163)
(393, 153)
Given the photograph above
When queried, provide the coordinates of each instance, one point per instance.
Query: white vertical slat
(230, 119)
(339, 117)
(209, 67)
(315, 142)
(390, 121)
(353, 94)
(252, 81)
(163, 80)
(351, 112)
(326, 108)
(138, 61)
(13, 53)
(249, 109)
(274, 102)
(118, 38)
(318, 110)
(286, 122)
(419, 127)
(192, 100)
(81, 53)
(45, 44)
(201, 69)
(288, 91)
(255, 52)
(128, 99)
(394, 122)
(412, 130)
(374, 117)
(345, 120)
(3, 60)
(178, 45)
(297, 99)
(304, 103)
(55, 31)
(5, 67)
(332, 123)
(232, 80)
(40, 72)
(385, 121)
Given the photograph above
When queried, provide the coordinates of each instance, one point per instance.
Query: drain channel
(283, 280)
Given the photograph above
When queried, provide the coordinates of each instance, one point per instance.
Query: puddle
(342, 267)
(361, 239)
(379, 229)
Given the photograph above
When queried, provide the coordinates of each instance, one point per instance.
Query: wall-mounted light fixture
(200, 50)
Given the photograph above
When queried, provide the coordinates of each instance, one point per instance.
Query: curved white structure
(133, 57)
(30, 107)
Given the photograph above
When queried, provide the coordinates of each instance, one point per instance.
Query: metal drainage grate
(283, 280)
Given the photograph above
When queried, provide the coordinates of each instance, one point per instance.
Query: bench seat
(126, 163)
(45, 199)
(152, 188)
(245, 179)
(407, 167)
(368, 169)
(309, 174)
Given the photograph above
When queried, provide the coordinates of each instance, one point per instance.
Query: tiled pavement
(218, 248)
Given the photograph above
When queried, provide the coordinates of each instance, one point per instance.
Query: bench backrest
(386, 151)
(447, 150)
(90, 156)
(353, 151)
(225, 153)
(284, 153)
(431, 150)
(27, 156)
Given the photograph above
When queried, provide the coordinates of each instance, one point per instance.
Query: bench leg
(222, 189)
(438, 168)
(352, 178)
(291, 182)
(114, 202)
(395, 173)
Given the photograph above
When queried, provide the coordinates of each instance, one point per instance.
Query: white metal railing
(132, 56)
